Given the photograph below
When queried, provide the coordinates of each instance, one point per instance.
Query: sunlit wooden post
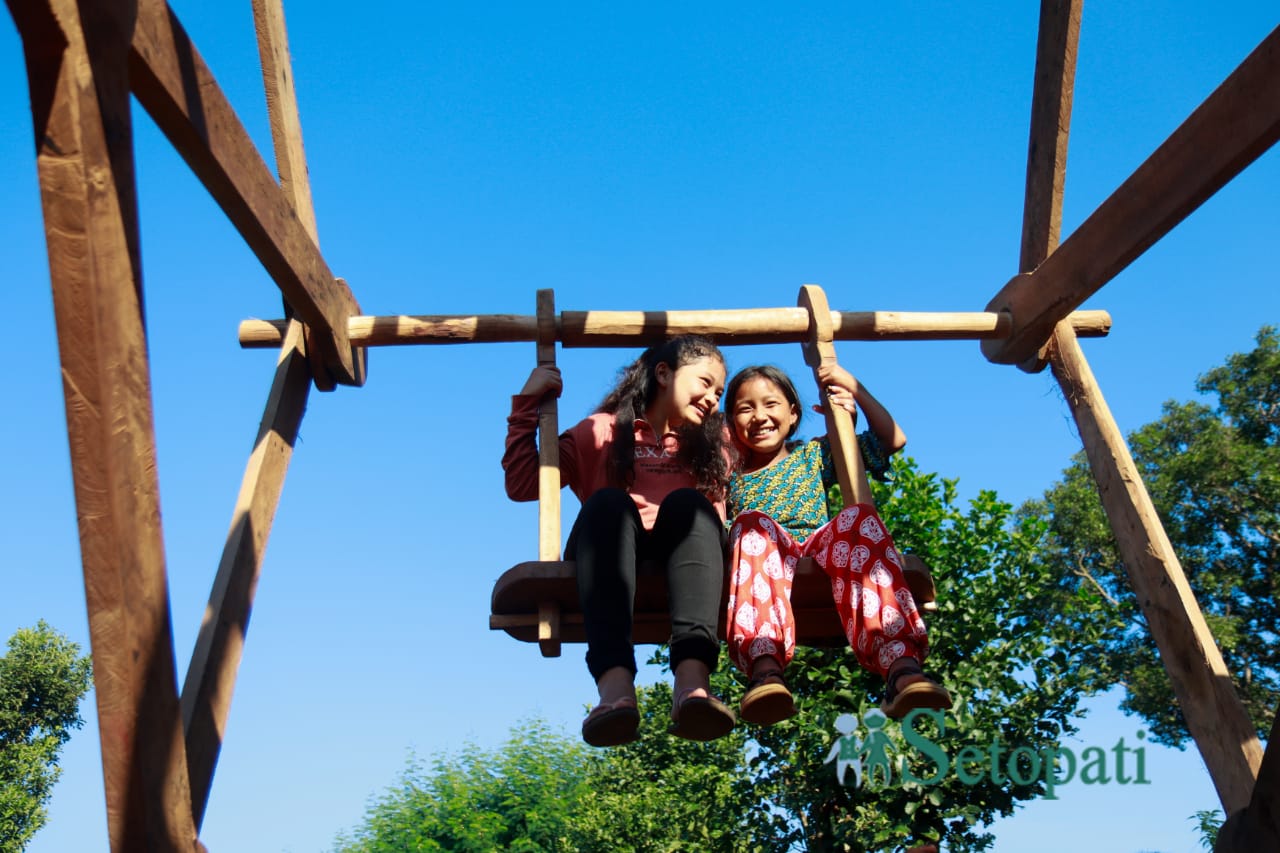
(548, 473)
(77, 66)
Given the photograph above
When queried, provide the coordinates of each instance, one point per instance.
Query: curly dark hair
(702, 446)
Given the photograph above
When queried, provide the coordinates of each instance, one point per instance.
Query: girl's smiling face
(763, 419)
(692, 390)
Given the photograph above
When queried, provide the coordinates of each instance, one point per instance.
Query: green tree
(517, 798)
(42, 679)
(541, 791)
(1213, 472)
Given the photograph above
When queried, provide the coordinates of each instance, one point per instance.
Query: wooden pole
(211, 677)
(635, 328)
(291, 159)
(210, 682)
(1231, 129)
(77, 67)
(548, 473)
(819, 351)
(1213, 711)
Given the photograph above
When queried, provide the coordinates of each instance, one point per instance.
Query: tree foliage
(542, 792)
(42, 679)
(1015, 649)
(1213, 472)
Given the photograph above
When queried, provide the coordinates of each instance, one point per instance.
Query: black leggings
(607, 541)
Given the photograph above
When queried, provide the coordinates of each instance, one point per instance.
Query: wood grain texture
(731, 327)
(77, 67)
(1213, 711)
(548, 436)
(211, 676)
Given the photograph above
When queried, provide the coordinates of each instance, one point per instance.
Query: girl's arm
(886, 429)
(520, 459)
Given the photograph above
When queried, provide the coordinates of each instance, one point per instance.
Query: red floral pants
(854, 548)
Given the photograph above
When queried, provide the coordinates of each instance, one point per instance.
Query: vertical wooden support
(1214, 713)
(548, 473)
(211, 677)
(291, 159)
(210, 682)
(818, 351)
(77, 55)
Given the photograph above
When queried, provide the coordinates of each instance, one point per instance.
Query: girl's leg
(875, 606)
(689, 536)
(604, 542)
(762, 566)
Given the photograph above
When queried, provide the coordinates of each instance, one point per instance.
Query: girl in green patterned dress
(778, 501)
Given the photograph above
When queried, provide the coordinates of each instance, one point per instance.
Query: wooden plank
(1215, 716)
(521, 592)
(177, 89)
(1228, 131)
(632, 328)
(548, 438)
(77, 69)
(210, 681)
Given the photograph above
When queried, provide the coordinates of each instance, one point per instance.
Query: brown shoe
(767, 700)
(919, 694)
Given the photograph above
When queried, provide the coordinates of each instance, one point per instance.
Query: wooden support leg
(1214, 713)
(549, 629)
(77, 56)
(206, 694)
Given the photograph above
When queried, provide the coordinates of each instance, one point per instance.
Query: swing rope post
(820, 351)
(548, 473)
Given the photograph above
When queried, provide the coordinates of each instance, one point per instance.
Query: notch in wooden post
(548, 437)
(819, 350)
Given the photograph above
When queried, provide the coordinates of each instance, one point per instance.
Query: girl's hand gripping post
(820, 352)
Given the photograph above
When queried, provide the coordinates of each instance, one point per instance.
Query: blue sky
(645, 156)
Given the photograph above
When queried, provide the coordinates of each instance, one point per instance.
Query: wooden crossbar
(729, 327)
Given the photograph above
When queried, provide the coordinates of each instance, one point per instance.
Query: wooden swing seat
(537, 602)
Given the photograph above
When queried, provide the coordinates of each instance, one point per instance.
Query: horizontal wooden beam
(630, 328)
(1231, 129)
(177, 89)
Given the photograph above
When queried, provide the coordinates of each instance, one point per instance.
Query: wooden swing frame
(85, 58)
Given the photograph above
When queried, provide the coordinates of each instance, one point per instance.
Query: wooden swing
(537, 601)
